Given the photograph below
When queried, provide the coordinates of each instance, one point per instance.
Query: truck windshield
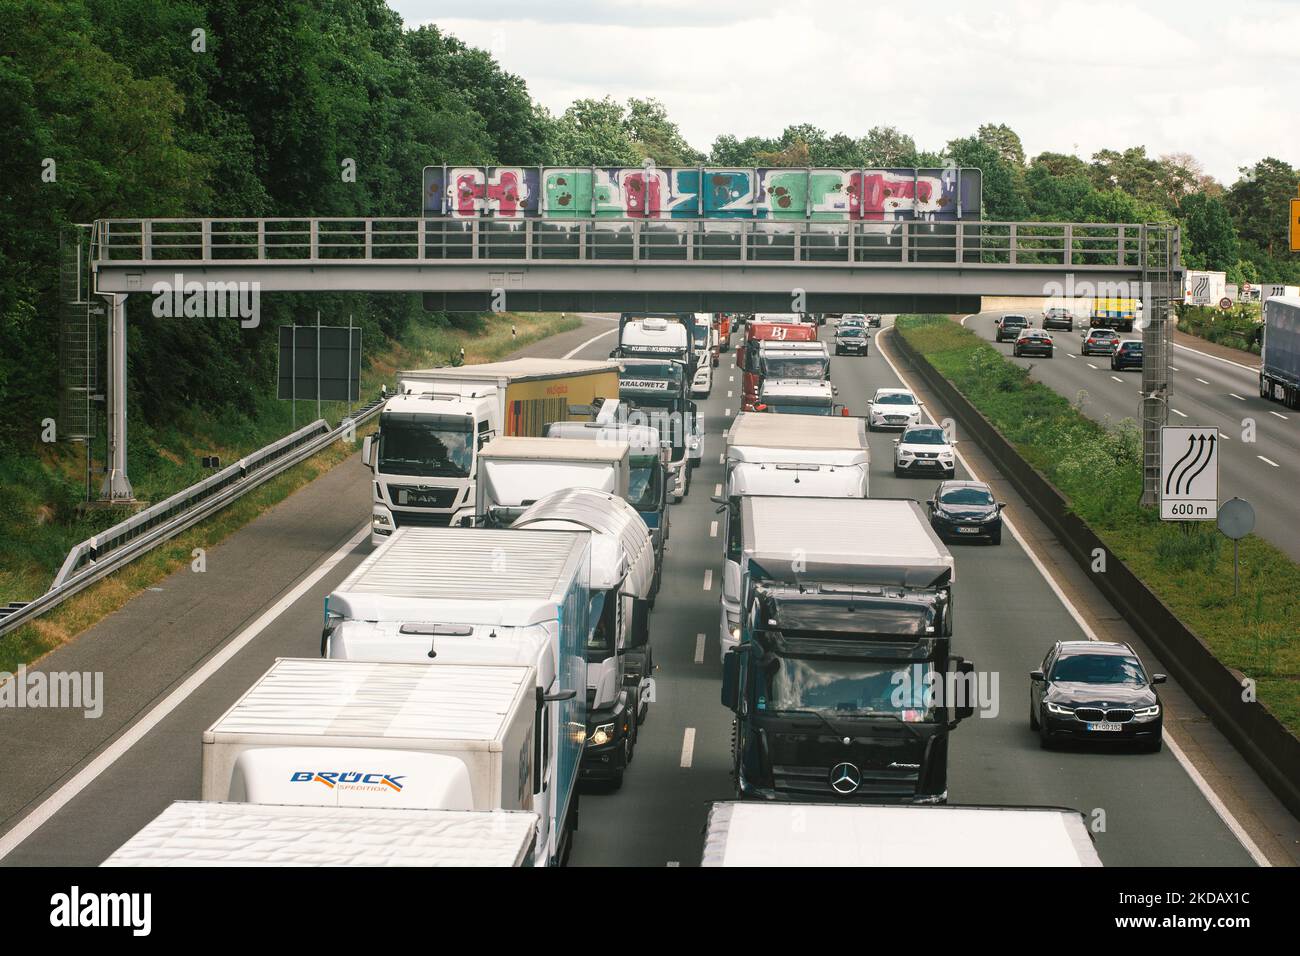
(643, 485)
(797, 409)
(812, 368)
(420, 445)
(848, 688)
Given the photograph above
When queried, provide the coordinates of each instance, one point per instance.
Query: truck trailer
(838, 834)
(195, 833)
(1279, 369)
(843, 684)
(425, 454)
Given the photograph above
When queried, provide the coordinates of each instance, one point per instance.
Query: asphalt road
(1205, 390)
(204, 644)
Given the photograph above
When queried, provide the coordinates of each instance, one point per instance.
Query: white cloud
(1194, 76)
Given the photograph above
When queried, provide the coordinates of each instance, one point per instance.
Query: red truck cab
(766, 328)
(723, 320)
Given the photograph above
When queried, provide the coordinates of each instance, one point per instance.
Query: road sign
(1295, 225)
(1236, 518)
(1189, 473)
(1225, 303)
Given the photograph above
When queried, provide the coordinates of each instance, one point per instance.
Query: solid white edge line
(699, 648)
(688, 747)
(37, 818)
(1188, 348)
(1203, 785)
(595, 338)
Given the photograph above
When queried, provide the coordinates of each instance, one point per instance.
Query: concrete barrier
(1268, 746)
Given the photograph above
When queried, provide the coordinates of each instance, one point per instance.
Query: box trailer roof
(330, 699)
(555, 449)
(514, 369)
(465, 565)
(774, 430)
(811, 834)
(192, 833)
(872, 541)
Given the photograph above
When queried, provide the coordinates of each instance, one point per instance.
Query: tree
(1004, 141)
(1003, 183)
(884, 147)
(796, 153)
(594, 132)
(1210, 238)
(656, 136)
(1260, 204)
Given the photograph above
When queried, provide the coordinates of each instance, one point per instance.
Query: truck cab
(798, 397)
(840, 682)
(749, 357)
(658, 337)
(654, 392)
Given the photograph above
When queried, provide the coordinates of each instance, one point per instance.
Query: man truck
(843, 686)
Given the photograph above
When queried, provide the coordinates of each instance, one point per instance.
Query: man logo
(845, 778)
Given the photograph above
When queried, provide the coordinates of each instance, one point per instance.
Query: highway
(1205, 390)
(175, 659)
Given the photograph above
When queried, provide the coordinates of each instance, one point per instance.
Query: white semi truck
(193, 833)
(515, 472)
(1279, 370)
(477, 596)
(787, 455)
(425, 454)
(837, 834)
(797, 397)
(620, 663)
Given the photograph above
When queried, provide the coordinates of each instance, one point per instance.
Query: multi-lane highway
(177, 658)
(1206, 390)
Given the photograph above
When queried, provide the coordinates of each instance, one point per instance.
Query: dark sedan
(966, 510)
(1095, 690)
(851, 339)
(1058, 318)
(1009, 326)
(1127, 354)
(1101, 341)
(1033, 342)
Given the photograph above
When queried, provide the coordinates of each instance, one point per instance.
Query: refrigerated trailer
(194, 833)
(822, 834)
(1279, 369)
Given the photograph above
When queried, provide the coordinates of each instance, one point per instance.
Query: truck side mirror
(639, 633)
(367, 444)
(559, 695)
(731, 681)
(965, 708)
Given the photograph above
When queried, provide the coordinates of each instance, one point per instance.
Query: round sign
(1245, 287)
(1236, 518)
(1225, 303)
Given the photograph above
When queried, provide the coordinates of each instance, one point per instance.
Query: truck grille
(1116, 715)
(421, 519)
(816, 780)
(432, 498)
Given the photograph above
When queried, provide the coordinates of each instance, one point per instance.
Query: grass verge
(39, 521)
(1097, 465)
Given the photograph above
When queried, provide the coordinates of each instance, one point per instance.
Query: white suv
(924, 450)
(893, 408)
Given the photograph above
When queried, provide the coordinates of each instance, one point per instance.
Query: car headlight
(1059, 710)
(1147, 713)
(602, 735)
(904, 453)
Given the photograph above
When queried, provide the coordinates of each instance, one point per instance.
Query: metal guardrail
(106, 552)
(712, 242)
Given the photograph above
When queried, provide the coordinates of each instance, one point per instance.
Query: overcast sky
(1218, 80)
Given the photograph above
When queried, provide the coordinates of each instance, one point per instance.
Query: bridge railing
(704, 241)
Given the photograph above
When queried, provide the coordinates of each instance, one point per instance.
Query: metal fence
(713, 242)
(109, 550)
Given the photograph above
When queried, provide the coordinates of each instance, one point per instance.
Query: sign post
(1236, 520)
(1189, 473)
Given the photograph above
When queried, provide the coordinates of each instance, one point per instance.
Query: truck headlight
(602, 735)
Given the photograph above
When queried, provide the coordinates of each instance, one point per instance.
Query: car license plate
(969, 530)
(1106, 726)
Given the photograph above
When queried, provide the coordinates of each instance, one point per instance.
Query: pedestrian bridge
(605, 264)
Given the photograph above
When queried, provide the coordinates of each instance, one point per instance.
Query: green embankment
(1098, 467)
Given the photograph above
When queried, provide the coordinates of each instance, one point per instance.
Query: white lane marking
(1070, 355)
(728, 394)
(1188, 348)
(731, 378)
(708, 580)
(1222, 437)
(595, 338)
(1279, 415)
(1203, 381)
(1172, 369)
(1267, 462)
(141, 728)
(699, 648)
(717, 489)
(713, 529)
(722, 459)
(726, 413)
(688, 747)
(673, 863)
(1236, 396)
(1090, 365)
(1118, 379)
(1178, 413)
(1201, 784)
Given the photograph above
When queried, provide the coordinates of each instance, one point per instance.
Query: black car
(1009, 327)
(1033, 342)
(1058, 318)
(874, 320)
(1099, 340)
(1095, 690)
(966, 510)
(851, 339)
(1128, 354)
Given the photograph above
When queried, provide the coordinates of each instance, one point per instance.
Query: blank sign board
(335, 363)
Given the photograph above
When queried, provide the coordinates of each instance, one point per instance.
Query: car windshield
(1099, 669)
(895, 398)
(852, 688)
(420, 445)
(643, 485)
(811, 368)
(1132, 346)
(966, 496)
(1103, 334)
(924, 436)
(853, 332)
(1014, 320)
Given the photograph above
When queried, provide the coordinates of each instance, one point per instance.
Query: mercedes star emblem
(845, 778)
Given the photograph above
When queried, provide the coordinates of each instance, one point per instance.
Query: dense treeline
(256, 116)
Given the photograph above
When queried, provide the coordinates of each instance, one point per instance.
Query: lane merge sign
(1189, 473)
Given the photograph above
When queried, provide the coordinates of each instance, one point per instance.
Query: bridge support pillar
(116, 487)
